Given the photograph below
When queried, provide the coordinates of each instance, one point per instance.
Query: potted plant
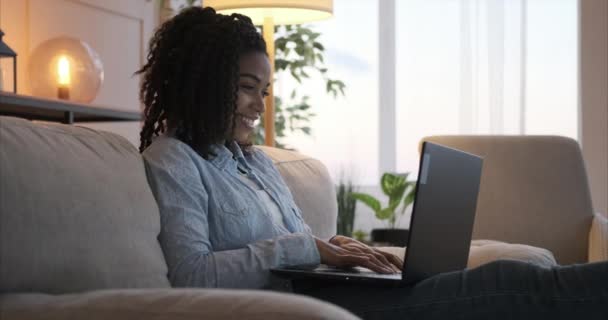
(346, 207)
(400, 194)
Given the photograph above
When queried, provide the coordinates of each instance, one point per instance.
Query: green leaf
(368, 200)
(387, 183)
(280, 44)
(299, 52)
(295, 76)
(409, 198)
(385, 213)
(280, 64)
(328, 86)
(396, 195)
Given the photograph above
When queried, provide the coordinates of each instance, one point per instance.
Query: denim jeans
(504, 289)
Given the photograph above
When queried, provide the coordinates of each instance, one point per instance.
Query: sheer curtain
(462, 67)
(476, 56)
(493, 47)
(484, 67)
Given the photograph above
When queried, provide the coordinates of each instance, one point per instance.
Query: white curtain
(488, 72)
(462, 67)
(484, 67)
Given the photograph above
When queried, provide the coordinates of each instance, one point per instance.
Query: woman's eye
(265, 93)
(247, 87)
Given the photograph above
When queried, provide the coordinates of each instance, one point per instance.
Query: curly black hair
(190, 79)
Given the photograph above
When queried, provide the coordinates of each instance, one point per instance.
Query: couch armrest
(598, 239)
(167, 304)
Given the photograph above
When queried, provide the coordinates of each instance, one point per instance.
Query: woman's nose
(260, 104)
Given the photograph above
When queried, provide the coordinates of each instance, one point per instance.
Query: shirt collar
(224, 155)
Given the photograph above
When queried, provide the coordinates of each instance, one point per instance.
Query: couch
(79, 226)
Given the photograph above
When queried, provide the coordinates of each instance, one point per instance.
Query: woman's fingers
(391, 262)
(394, 260)
(355, 254)
(369, 261)
(382, 258)
(355, 260)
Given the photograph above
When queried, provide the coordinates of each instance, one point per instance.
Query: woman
(227, 217)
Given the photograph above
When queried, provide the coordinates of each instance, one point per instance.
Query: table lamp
(269, 13)
(65, 68)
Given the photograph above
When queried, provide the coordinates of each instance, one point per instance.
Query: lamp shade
(65, 68)
(281, 11)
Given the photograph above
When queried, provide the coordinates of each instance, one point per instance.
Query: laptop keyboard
(352, 270)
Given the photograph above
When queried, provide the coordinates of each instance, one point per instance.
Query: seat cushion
(484, 251)
(169, 304)
(76, 211)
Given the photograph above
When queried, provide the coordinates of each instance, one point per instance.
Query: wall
(118, 30)
(594, 97)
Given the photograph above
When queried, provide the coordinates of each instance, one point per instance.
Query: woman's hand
(347, 252)
(352, 244)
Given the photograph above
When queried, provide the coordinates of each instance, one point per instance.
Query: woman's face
(253, 83)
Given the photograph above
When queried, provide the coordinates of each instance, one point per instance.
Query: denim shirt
(215, 230)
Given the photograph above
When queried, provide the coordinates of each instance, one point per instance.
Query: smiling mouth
(249, 122)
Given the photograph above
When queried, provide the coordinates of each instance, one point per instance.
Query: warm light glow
(282, 11)
(63, 70)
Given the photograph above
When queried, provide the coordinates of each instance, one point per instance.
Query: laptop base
(335, 275)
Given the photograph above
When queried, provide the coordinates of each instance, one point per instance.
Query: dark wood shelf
(34, 108)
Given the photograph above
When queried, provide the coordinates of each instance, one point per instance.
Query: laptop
(441, 222)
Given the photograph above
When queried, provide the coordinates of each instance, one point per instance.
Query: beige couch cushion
(168, 304)
(76, 212)
(598, 239)
(312, 188)
(484, 251)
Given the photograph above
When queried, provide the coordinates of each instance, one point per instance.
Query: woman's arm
(338, 251)
(184, 237)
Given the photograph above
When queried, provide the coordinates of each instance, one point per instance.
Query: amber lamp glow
(63, 78)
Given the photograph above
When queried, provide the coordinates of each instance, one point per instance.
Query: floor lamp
(269, 13)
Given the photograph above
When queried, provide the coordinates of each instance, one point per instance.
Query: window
(345, 130)
(462, 67)
(484, 67)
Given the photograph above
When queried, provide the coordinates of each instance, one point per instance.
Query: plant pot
(390, 237)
